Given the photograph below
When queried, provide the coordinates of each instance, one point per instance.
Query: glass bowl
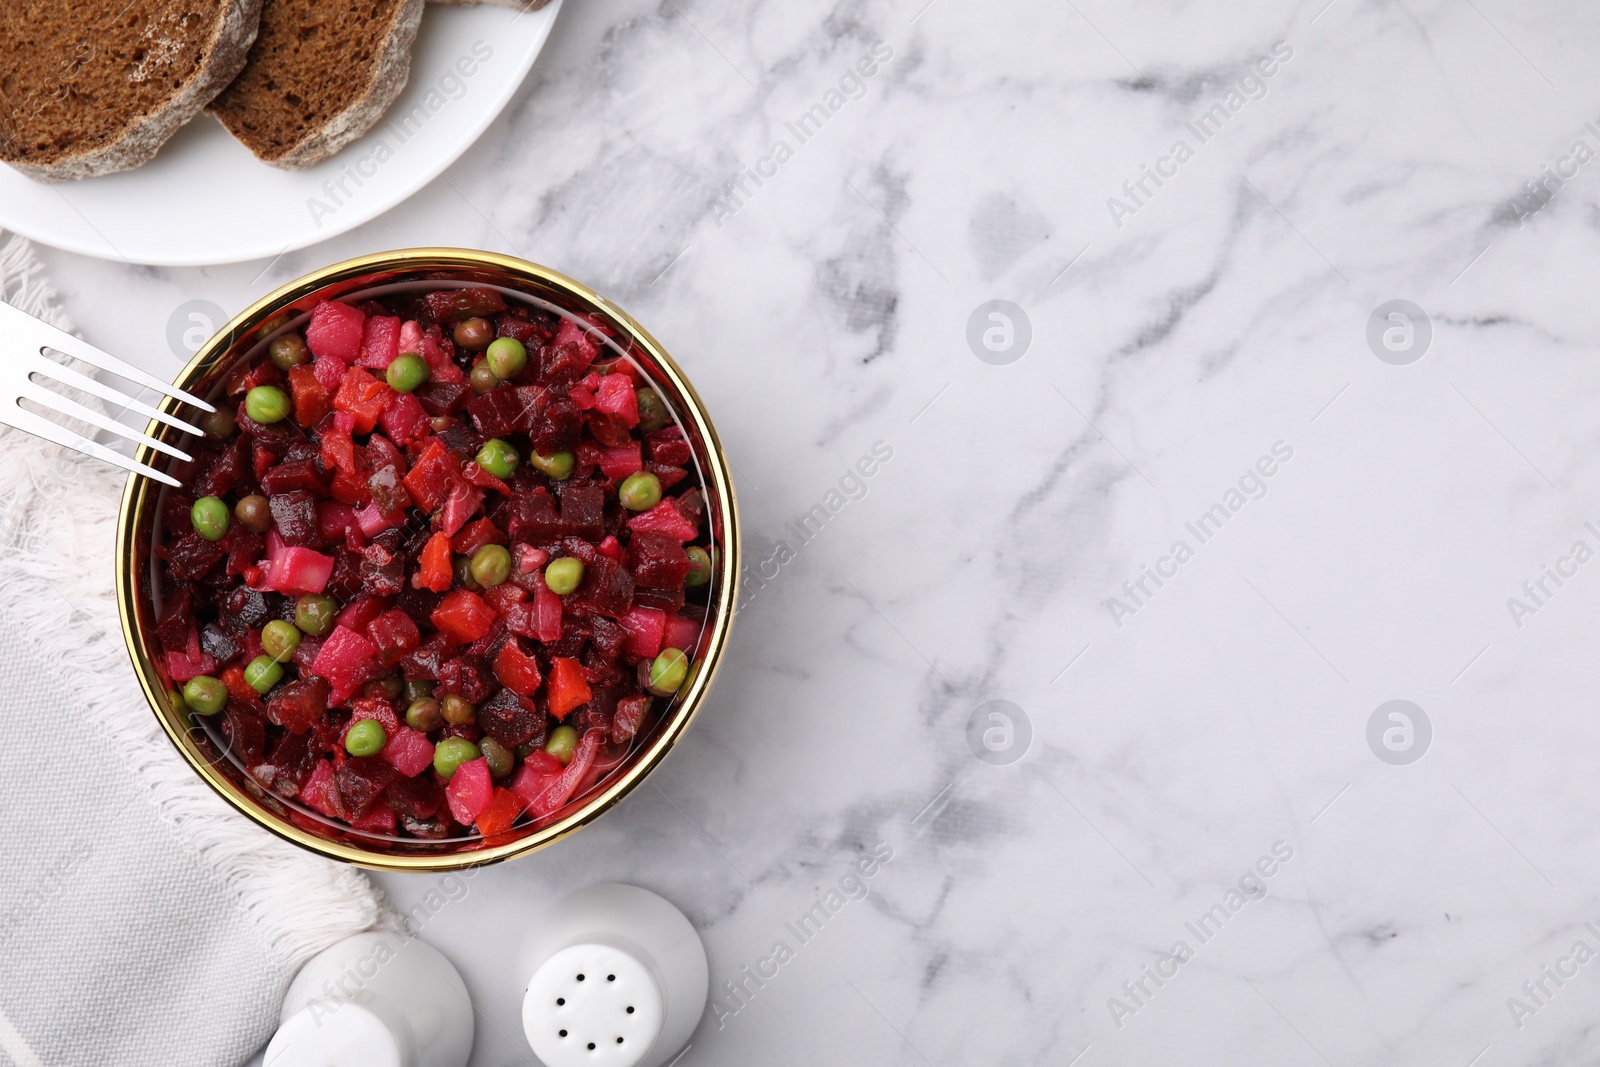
(202, 741)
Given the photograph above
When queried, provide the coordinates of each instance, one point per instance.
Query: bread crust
(142, 137)
(389, 77)
(515, 5)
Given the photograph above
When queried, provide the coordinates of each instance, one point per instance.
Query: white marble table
(1182, 332)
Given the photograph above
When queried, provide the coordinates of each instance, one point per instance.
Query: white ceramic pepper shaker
(377, 999)
(616, 977)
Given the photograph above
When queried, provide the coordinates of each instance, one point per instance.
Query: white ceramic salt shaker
(616, 977)
(377, 999)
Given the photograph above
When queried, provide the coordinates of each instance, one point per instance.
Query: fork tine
(39, 426)
(71, 408)
(37, 331)
(78, 380)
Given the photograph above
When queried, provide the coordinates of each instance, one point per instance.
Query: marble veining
(823, 298)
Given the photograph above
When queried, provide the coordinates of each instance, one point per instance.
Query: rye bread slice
(90, 87)
(321, 74)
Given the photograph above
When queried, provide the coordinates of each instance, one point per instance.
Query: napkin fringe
(57, 542)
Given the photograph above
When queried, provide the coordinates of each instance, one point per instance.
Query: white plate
(205, 199)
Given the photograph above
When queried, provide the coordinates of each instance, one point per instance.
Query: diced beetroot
(558, 427)
(359, 613)
(297, 706)
(659, 561)
(628, 717)
(583, 510)
(463, 615)
(290, 763)
(183, 667)
(379, 820)
(469, 790)
(320, 793)
(534, 518)
(416, 797)
(361, 780)
(582, 392)
(294, 516)
(667, 476)
(408, 751)
(619, 462)
(191, 556)
(465, 675)
(395, 634)
(682, 634)
(453, 305)
(333, 520)
(516, 670)
(375, 708)
(380, 342)
(441, 368)
(664, 518)
(534, 778)
(510, 719)
(299, 570)
(507, 409)
(329, 372)
(299, 475)
(335, 330)
(616, 397)
(442, 398)
(668, 446)
(607, 589)
(645, 627)
(404, 419)
(577, 335)
(426, 661)
(344, 660)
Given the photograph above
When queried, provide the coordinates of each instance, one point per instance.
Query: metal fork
(23, 365)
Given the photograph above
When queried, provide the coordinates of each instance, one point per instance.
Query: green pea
(668, 672)
(423, 714)
(506, 357)
(653, 414)
(491, 565)
(263, 673)
(463, 565)
(563, 575)
(451, 753)
(498, 458)
(279, 639)
(267, 404)
(209, 517)
(457, 709)
(219, 424)
(205, 695)
(422, 687)
(254, 512)
(314, 614)
(557, 465)
(699, 567)
(288, 351)
(365, 738)
(482, 378)
(563, 742)
(502, 761)
(640, 491)
(407, 373)
(474, 334)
